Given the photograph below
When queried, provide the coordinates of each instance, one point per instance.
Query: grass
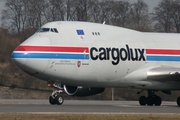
(89, 116)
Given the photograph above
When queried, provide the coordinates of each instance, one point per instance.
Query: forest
(21, 18)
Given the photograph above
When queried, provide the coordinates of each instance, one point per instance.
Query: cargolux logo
(117, 54)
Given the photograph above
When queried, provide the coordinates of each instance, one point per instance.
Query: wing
(164, 74)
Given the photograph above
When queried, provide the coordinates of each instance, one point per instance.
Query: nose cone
(19, 58)
(28, 61)
(32, 56)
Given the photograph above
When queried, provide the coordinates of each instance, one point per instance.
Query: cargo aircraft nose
(31, 57)
(29, 61)
(19, 58)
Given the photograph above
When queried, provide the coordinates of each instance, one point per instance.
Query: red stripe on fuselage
(52, 49)
(162, 51)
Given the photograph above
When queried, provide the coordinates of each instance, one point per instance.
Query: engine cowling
(82, 91)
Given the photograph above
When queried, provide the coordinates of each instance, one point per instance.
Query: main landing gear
(151, 100)
(178, 101)
(55, 97)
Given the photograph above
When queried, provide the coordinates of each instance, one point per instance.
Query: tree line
(21, 15)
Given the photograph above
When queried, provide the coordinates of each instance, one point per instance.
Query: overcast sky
(151, 4)
(1, 7)
(1, 4)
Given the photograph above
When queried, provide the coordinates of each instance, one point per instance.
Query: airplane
(84, 58)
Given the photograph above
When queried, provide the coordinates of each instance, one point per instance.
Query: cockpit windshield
(44, 30)
(41, 30)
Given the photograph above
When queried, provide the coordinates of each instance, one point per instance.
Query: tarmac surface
(84, 106)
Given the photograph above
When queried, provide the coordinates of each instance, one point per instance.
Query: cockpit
(42, 30)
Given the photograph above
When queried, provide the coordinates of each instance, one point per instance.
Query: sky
(1, 5)
(1, 8)
(151, 4)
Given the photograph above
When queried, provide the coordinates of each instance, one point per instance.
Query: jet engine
(82, 91)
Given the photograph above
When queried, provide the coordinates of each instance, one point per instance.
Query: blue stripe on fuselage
(83, 56)
(163, 58)
(51, 56)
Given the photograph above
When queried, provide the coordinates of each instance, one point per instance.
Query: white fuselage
(96, 55)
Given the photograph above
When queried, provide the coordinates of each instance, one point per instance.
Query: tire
(178, 101)
(142, 100)
(52, 100)
(59, 99)
(150, 101)
(157, 101)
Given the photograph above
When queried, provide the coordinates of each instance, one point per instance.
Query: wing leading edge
(164, 74)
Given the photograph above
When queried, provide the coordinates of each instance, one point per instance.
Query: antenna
(104, 22)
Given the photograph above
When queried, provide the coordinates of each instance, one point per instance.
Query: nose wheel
(59, 100)
(52, 100)
(56, 97)
(56, 100)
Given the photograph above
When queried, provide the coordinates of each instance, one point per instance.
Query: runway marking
(136, 106)
(9, 103)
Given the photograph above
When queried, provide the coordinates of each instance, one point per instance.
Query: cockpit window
(44, 30)
(54, 30)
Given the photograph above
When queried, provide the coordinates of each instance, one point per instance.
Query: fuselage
(97, 55)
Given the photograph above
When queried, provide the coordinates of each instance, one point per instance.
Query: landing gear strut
(56, 97)
(151, 100)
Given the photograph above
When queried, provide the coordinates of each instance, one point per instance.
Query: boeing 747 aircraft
(84, 58)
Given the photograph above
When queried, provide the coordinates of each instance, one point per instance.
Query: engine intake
(82, 91)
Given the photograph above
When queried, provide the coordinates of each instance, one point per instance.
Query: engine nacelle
(82, 91)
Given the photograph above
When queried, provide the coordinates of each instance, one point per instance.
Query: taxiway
(85, 106)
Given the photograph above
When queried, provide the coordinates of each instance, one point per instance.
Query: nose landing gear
(56, 97)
